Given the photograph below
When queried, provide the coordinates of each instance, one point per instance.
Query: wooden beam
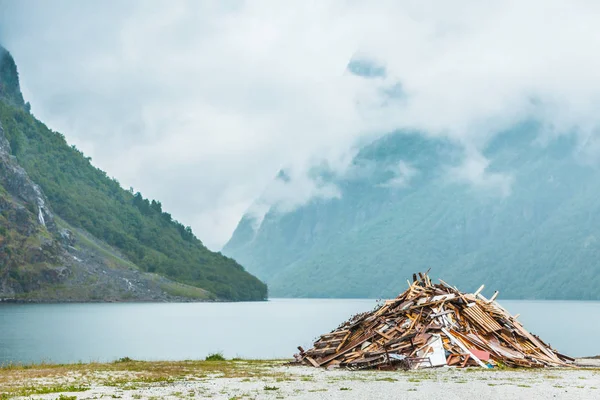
(479, 290)
(313, 362)
(464, 348)
(350, 347)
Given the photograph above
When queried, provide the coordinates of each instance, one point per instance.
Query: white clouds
(403, 173)
(287, 194)
(200, 103)
(474, 171)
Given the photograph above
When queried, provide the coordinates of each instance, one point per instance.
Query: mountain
(530, 229)
(68, 232)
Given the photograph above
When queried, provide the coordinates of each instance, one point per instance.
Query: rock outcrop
(28, 229)
(16, 181)
(10, 90)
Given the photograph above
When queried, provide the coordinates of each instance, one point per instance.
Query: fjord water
(65, 333)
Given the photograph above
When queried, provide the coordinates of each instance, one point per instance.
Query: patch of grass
(345, 388)
(271, 388)
(124, 360)
(551, 377)
(215, 357)
(387, 379)
(31, 390)
(128, 382)
(182, 290)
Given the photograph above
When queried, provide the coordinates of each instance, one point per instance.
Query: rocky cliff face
(10, 90)
(16, 181)
(28, 233)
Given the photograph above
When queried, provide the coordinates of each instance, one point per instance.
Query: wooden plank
(342, 342)
(351, 346)
(479, 290)
(336, 333)
(312, 361)
(441, 313)
(536, 342)
(321, 352)
(487, 323)
(328, 342)
(464, 348)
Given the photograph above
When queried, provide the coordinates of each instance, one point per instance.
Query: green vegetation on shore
(125, 373)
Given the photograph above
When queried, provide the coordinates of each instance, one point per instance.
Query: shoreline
(585, 362)
(150, 301)
(271, 379)
(4, 300)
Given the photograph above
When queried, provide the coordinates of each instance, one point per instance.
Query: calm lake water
(273, 329)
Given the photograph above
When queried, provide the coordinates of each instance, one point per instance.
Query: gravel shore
(274, 380)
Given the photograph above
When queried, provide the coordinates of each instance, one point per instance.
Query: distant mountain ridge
(532, 231)
(68, 232)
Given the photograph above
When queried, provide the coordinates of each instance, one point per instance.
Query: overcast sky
(200, 103)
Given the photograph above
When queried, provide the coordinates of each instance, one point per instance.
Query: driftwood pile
(432, 325)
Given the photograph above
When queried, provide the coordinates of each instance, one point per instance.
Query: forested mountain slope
(133, 230)
(531, 232)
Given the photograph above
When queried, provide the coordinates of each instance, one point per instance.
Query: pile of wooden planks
(432, 325)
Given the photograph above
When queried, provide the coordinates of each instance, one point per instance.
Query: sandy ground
(278, 381)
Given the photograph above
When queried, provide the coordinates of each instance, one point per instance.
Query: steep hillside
(111, 222)
(401, 212)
